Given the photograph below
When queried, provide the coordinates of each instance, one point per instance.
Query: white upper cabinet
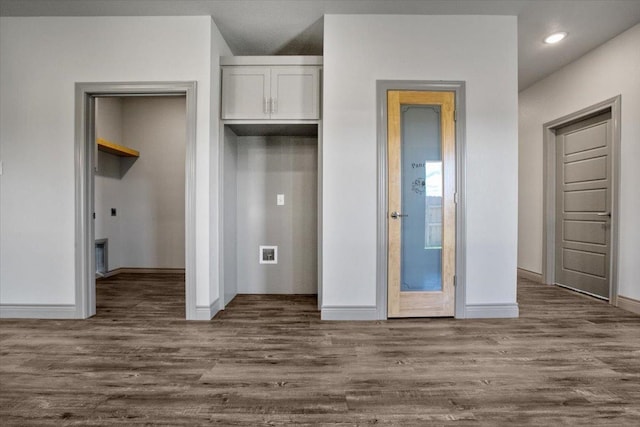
(295, 93)
(246, 92)
(270, 92)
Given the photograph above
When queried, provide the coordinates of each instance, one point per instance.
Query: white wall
(360, 49)
(266, 167)
(108, 115)
(109, 119)
(107, 195)
(150, 194)
(152, 206)
(610, 70)
(215, 155)
(230, 207)
(41, 60)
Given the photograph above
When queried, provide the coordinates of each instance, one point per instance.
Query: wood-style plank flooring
(269, 360)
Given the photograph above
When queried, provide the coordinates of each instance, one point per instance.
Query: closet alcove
(270, 181)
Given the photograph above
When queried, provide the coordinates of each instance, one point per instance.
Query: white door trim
(382, 249)
(549, 188)
(85, 301)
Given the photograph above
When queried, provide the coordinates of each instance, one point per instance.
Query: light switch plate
(280, 200)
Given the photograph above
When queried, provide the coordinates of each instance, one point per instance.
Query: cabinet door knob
(265, 108)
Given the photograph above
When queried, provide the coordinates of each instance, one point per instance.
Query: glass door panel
(421, 198)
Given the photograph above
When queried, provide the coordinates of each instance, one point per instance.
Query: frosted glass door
(421, 182)
(421, 170)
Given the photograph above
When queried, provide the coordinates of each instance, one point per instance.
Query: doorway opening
(139, 189)
(124, 212)
(581, 173)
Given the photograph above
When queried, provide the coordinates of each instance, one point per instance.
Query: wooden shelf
(118, 150)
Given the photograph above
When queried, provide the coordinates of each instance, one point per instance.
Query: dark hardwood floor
(269, 360)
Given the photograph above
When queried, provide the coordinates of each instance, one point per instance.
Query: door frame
(549, 189)
(85, 94)
(458, 87)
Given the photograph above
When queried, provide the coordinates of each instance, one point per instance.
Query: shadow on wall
(112, 166)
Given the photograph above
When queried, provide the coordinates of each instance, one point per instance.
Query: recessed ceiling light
(555, 38)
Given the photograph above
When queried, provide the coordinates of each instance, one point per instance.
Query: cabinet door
(295, 93)
(245, 92)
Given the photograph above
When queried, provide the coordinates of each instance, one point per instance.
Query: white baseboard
(349, 313)
(109, 274)
(472, 311)
(629, 304)
(491, 311)
(134, 270)
(38, 311)
(228, 298)
(206, 312)
(530, 275)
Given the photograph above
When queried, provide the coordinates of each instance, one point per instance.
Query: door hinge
(456, 198)
(455, 280)
(455, 115)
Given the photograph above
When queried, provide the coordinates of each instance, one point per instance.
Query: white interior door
(583, 206)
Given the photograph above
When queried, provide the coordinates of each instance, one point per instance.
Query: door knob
(396, 215)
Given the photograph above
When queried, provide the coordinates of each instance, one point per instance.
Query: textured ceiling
(266, 27)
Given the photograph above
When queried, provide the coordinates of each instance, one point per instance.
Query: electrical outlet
(280, 200)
